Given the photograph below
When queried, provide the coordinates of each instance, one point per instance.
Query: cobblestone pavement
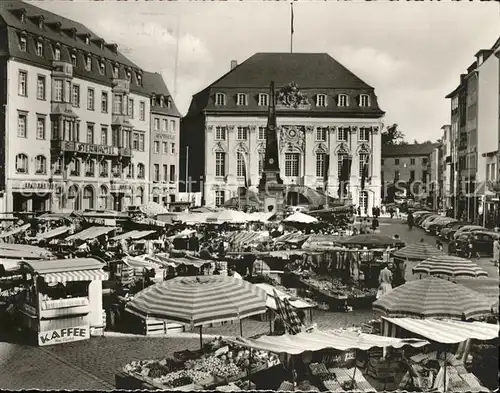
(92, 364)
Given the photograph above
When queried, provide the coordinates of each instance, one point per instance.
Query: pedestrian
(496, 251)
(385, 281)
(410, 220)
(399, 273)
(391, 212)
(439, 245)
(397, 211)
(375, 223)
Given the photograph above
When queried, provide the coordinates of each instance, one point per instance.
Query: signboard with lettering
(165, 136)
(107, 222)
(63, 335)
(36, 186)
(339, 359)
(96, 149)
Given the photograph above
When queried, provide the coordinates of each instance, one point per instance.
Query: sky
(412, 53)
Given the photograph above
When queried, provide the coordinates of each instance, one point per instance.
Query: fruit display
(334, 286)
(224, 362)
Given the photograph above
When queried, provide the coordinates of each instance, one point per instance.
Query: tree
(392, 136)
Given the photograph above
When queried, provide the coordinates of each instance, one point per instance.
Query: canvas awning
(53, 233)
(318, 340)
(446, 331)
(261, 216)
(23, 251)
(293, 238)
(133, 235)
(321, 242)
(90, 233)
(271, 302)
(67, 270)
(15, 231)
(246, 237)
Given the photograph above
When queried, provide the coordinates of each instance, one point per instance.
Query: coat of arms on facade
(293, 136)
(290, 97)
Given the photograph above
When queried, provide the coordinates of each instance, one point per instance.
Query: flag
(364, 175)
(247, 180)
(327, 166)
(291, 21)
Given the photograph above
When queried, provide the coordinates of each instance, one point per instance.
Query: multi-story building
(326, 115)
(475, 105)
(164, 146)
(435, 177)
(75, 119)
(407, 167)
(447, 168)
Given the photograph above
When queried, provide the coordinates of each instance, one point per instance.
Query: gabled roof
(8, 10)
(308, 70)
(153, 82)
(414, 149)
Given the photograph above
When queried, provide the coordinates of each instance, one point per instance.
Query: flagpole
(291, 28)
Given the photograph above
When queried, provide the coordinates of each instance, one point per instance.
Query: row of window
(86, 58)
(320, 136)
(397, 161)
(322, 100)
(168, 173)
(292, 164)
(65, 91)
(412, 176)
(156, 147)
(164, 125)
(75, 167)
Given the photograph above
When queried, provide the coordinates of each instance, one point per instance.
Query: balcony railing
(84, 148)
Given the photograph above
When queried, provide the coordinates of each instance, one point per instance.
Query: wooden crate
(128, 382)
(151, 327)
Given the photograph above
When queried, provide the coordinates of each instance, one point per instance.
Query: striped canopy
(418, 251)
(448, 265)
(371, 239)
(432, 298)
(199, 300)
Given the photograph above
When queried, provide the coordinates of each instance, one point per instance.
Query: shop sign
(96, 149)
(63, 335)
(34, 186)
(340, 359)
(165, 136)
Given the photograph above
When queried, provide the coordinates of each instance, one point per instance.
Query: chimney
(234, 64)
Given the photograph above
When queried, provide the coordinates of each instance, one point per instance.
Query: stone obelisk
(271, 187)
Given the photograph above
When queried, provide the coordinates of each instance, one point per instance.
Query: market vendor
(233, 273)
(385, 281)
(399, 273)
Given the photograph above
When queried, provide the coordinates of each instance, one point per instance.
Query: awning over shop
(90, 233)
(318, 340)
(55, 216)
(246, 237)
(193, 218)
(261, 216)
(321, 242)
(23, 251)
(292, 238)
(67, 270)
(53, 233)
(15, 231)
(446, 331)
(188, 261)
(271, 302)
(133, 235)
(143, 262)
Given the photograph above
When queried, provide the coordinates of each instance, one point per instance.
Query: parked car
(450, 229)
(447, 233)
(428, 220)
(482, 242)
(436, 227)
(422, 217)
(436, 220)
(468, 228)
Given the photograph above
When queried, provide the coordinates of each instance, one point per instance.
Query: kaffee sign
(63, 335)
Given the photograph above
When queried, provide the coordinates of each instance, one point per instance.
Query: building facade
(474, 115)
(406, 169)
(75, 124)
(164, 146)
(323, 118)
(446, 163)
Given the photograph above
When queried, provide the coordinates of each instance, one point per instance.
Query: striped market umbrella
(418, 251)
(432, 298)
(200, 300)
(448, 265)
(371, 239)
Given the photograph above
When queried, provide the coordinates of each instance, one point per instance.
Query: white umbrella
(300, 218)
(230, 216)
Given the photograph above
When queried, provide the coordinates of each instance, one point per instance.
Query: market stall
(23, 251)
(63, 299)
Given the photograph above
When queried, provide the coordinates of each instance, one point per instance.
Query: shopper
(496, 251)
(385, 281)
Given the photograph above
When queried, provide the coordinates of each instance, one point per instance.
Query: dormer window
(88, 63)
(87, 40)
(263, 99)
(39, 48)
(169, 103)
(73, 59)
(40, 22)
(343, 100)
(364, 100)
(139, 79)
(162, 101)
(115, 71)
(241, 99)
(129, 75)
(23, 43)
(102, 67)
(220, 99)
(57, 54)
(22, 15)
(321, 100)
